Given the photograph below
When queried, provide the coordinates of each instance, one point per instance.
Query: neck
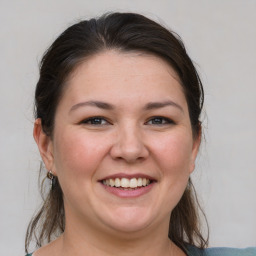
(85, 240)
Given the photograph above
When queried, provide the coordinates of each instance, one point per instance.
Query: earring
(52, 178)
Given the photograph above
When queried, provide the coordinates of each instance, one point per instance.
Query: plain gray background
(220, 37)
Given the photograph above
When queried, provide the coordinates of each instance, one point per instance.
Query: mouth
(127, 183)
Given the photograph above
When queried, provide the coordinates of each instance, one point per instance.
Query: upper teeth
(126, 183)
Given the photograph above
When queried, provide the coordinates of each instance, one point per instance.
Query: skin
(128, 139)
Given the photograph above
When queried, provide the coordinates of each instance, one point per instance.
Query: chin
(129, 219)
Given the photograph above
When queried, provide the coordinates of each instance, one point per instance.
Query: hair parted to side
(123, 32)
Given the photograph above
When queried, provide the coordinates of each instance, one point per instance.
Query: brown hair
(124, 32)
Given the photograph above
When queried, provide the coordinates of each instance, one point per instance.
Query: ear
(44, 143)
(195, 149)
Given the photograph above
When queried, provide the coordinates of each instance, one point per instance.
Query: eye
(95, 121)
(158, 120)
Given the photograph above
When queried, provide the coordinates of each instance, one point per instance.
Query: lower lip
(129, 193)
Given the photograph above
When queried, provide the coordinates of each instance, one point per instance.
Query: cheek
(78, 154)
(174, 154)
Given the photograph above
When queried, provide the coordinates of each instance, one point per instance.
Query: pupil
(96, 121)
(157, 120)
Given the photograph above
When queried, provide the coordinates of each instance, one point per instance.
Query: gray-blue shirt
(221, 251)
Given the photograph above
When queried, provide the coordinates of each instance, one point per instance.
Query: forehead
(128, 74)
(120, 63)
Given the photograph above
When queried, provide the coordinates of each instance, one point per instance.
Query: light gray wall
(220, 37)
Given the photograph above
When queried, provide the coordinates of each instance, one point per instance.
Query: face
(122, 146)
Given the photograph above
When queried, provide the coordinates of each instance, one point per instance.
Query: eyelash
(99, 120)
(166, 120)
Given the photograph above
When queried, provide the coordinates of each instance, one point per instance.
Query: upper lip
(128, 176)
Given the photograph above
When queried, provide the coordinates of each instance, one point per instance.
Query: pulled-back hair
(123, 32)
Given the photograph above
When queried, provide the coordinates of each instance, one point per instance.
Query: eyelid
(167, 120)
(87, 120)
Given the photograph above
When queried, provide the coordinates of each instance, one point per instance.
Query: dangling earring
(52, 178)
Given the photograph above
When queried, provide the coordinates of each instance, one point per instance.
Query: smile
(125, 183)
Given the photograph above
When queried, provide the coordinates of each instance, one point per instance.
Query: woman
(117, 125)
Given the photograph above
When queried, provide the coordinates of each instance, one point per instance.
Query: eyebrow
(156, 105)
(108, 106)
(98, 104)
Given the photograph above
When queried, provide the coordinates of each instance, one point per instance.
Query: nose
(129, 145)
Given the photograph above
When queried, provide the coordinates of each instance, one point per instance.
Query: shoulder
(221, 251)
(49, 249)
